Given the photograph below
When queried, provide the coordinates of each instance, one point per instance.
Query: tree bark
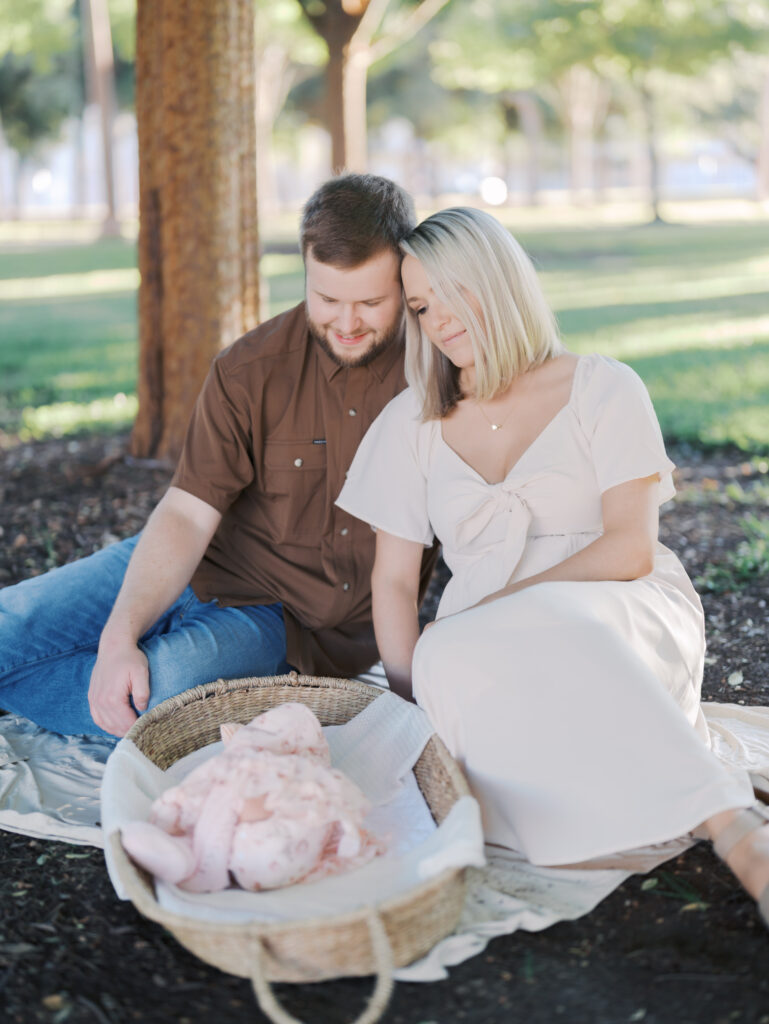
(198, 239)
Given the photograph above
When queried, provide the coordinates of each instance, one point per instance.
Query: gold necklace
(494, 426)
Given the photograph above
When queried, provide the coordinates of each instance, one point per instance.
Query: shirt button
(345, 586)
(353, 412)
(344, 531)
(298, 463)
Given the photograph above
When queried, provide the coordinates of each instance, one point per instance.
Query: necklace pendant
(495, 426)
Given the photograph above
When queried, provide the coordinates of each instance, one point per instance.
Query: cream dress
(574, 708)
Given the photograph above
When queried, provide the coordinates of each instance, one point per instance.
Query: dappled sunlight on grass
(660, 337)
(641, 330)
(59, 285)
(274, 264)
(685, 304)
(61, 231)
(715, 396)
(63, 418)
(34, 261)
(649, 285)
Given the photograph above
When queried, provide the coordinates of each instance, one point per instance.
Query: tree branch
(369, 24)
(412, 24)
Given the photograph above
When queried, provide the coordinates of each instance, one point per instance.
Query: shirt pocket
(295, 487)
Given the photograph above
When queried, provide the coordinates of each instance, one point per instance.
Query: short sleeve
(618, 419)
(386, 485)
(216, 463)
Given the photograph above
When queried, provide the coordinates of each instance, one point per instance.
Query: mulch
(691, 948)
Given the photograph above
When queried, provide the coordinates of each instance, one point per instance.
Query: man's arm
(169, 550)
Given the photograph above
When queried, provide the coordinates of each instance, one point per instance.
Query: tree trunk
(335, 121)
(5, 206)
(275, 76)
(354, 75)
(529, 116)
(198, 244)
(78, 168)
(577, 96)
(100, 79)
(762, 169)
(652, 154)
(336, 23)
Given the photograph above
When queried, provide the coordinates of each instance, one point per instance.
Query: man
(245, 567)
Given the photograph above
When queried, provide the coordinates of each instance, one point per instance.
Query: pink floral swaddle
(267, 811)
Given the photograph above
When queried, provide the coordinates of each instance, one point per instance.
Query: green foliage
(38, 29)
(748, 562)
(33, 105)
(495, 47)
(122, 21)
(281, 23)
(638, 46)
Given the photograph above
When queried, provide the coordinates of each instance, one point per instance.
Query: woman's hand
(625, 549)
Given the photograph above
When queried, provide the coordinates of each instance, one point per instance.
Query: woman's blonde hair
(464, 250)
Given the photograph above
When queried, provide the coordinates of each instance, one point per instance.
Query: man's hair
(464, 250)
(354, 217)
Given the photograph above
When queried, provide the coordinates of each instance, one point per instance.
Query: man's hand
(170, 547)
(120, 674)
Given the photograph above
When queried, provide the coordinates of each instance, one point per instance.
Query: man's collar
(380, 366)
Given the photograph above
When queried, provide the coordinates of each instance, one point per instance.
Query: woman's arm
(625, 549)
(395, 594)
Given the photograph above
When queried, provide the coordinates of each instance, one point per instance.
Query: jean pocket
(191, 602)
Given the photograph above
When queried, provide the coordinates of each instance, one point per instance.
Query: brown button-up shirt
(269, 443)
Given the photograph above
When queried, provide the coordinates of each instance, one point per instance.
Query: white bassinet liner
(377, 750)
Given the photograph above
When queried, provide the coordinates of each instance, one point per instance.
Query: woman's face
(439, 323)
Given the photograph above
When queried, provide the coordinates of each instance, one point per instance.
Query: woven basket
(372, 940)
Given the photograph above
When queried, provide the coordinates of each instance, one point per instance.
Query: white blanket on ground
(49, 788)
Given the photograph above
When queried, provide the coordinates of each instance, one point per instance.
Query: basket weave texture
(313, 949)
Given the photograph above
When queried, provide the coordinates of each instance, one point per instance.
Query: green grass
(748, 562)
(685, 304)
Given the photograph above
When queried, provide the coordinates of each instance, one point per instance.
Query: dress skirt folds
(573, 707)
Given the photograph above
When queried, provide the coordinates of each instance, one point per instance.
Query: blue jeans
(50, 627)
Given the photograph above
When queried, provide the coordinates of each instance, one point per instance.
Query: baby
(267, 811)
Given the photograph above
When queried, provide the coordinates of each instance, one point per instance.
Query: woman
(564, 667)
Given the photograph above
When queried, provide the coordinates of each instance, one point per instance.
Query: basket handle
(383, 959)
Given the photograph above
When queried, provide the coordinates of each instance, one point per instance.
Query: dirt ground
(690, 949)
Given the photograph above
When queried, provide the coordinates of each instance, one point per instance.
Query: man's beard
(382, 340)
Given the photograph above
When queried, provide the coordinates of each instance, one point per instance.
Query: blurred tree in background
(358, 34)
(529, 80)
(58, 58)
(288, 51)
(37, 88)
(581, 56)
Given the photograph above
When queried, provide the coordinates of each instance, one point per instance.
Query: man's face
(354, 312)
